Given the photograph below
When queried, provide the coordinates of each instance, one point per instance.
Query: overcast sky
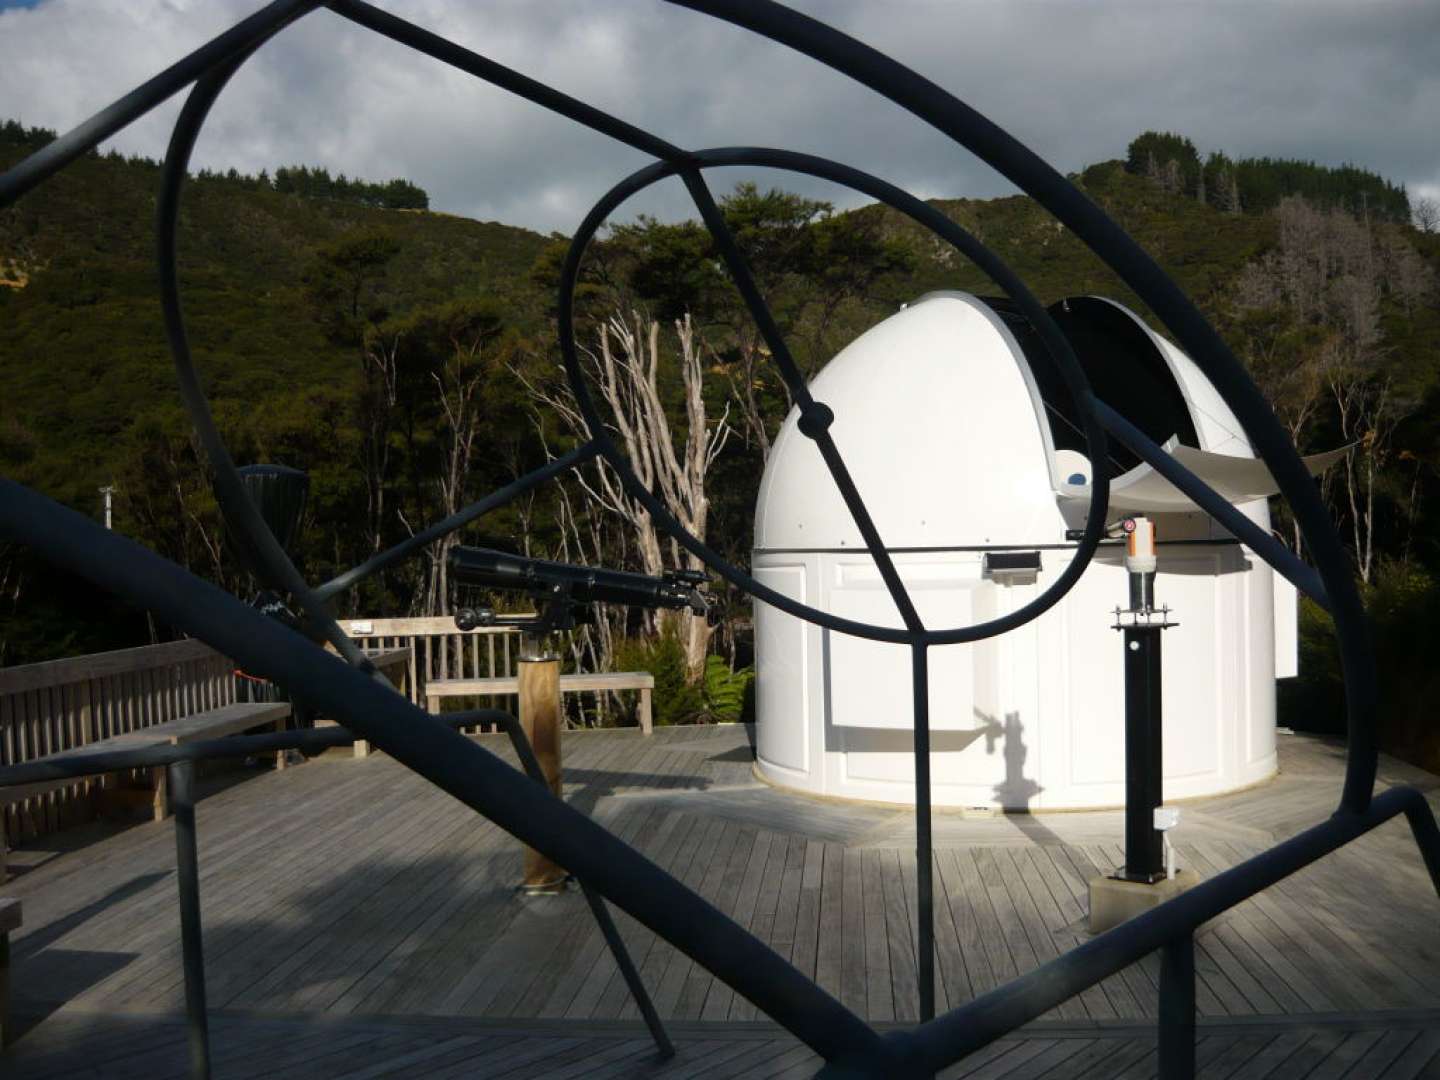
(1350, 81)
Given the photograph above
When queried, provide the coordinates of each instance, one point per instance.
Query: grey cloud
(1330, 81)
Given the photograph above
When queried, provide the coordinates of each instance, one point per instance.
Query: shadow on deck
(360, 922)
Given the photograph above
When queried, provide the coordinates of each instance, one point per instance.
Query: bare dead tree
(625, 370)
(457, 386)
(1425, 213)
(1368, 417)
(1172, 180)
(1365, 401)
(1407, 276)
(746, 379)
(379, 363)
(1312, 333)
(590, 539)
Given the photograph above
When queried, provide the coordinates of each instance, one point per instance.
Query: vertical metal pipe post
(924, 860)
(616, 943)
(1144, 853)
(1177, 1009)
(540, 717)
(187, 870)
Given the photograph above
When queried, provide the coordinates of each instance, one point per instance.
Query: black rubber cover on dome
(1125, 368)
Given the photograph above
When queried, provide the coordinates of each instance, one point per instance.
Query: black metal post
(628, 970)
(1144, 855)
(924, 859)
(531, 766)
(187, 871)
(1177, 1009)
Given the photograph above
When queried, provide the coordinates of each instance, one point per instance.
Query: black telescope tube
(486, 568)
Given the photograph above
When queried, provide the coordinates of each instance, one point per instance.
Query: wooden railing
(58, 705)
(438, 650)
(441, 654)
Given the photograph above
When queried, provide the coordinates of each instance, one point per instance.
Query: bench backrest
(438, 650)
(61, 704)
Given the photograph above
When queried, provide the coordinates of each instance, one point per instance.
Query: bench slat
(600, 680)
(226, 720)
(435, 689)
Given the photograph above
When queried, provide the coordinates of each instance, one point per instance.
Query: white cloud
(1324, 80)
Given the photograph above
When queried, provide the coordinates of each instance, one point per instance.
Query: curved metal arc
(448, 759)
(746, 285)
(273, 566)
(1280, 558)
(462, 517)
(57, 536)
(961, 1031)
(931, 218)
(530, 765)
(996, 269)
(929, 102)
(84, 137)
(1030, 173)
(749, 290)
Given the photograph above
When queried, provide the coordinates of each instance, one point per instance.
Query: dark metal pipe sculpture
(1177, 1008)
(531, 764)
(450, 760)
(1216, 505)
(515, 803)
(98, 762)
(192, 947)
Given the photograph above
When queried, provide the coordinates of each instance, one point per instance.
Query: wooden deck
(359, 922)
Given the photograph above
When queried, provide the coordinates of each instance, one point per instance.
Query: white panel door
(782, 698)
(871, 681)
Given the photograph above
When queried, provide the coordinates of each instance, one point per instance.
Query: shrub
(1403, 605)
(676, 699)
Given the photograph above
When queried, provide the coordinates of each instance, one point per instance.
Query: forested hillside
(407, 361)
(286, 296)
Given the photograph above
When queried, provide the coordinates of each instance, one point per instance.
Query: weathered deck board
(348, 890)
(77, 1044)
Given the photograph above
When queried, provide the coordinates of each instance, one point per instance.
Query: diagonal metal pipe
(449, 760)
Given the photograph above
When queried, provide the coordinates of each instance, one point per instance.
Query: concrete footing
(1112, 901)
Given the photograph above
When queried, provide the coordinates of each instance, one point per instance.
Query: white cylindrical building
(963, 442)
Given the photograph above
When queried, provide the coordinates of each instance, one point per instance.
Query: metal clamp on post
(562, 593)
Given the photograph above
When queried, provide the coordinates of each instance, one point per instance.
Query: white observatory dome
(941, 440)
(962, 441)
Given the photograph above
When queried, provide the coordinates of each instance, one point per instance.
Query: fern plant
(725, 690)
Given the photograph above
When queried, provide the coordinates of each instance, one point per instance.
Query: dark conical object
(278, 492)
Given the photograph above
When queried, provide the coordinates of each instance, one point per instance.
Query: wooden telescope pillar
(540, 717)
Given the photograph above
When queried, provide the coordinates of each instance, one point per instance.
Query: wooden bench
(397, 665)
(601, 681)
(211, 724)
(59, 706)
(9, 920)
